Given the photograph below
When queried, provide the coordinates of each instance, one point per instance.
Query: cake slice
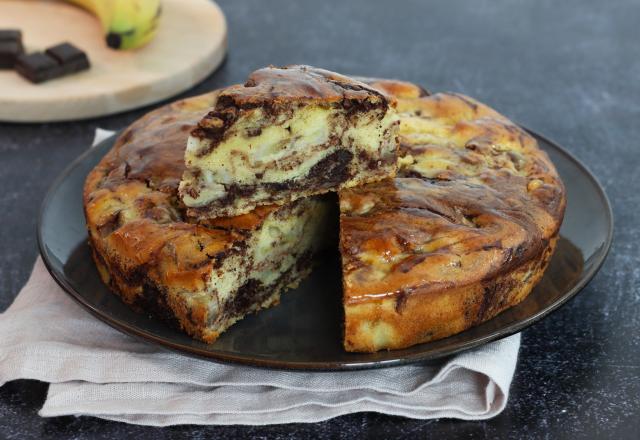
(200, 277)
(287, 133)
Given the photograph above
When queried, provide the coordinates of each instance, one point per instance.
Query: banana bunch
(127, 24)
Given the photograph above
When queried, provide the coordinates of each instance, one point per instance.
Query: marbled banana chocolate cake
(464, 231)
(201, 277)
(287, 133)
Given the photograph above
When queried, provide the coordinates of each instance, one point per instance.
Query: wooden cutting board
(191, 42)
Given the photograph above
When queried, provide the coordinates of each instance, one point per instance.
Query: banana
(127, 24)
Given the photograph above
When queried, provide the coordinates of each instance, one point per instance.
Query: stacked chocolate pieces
(60, 60)
(10, 47)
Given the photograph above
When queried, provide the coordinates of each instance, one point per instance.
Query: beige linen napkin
(98, 371)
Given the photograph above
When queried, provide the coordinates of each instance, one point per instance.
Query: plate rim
(235, 359)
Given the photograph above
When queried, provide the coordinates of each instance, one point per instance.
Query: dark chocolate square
(10, 35)
(69, 57)
(38, 67)
(9, 53)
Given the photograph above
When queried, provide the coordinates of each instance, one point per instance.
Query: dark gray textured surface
(567, 69)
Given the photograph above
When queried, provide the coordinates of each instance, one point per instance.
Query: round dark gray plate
(304, 332)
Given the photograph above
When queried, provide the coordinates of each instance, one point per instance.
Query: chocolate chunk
(10, 47)
(69, 57)
(333, 169)
(9, 53)
(10, 35)
(38, 67)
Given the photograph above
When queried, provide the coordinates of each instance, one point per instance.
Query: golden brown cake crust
(278, 88)
(463, 232)
(282, 85)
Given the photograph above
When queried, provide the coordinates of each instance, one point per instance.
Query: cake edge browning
(150, 298)
(399, 321)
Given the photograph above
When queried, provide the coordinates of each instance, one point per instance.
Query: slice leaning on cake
(287, 133)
